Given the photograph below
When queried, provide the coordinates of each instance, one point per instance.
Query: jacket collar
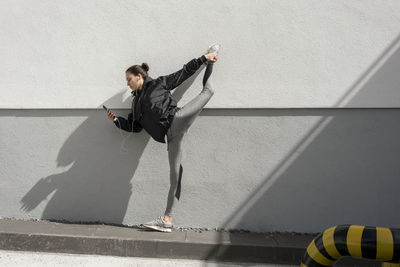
(145, 83)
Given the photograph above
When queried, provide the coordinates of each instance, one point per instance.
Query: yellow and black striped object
(356, 241)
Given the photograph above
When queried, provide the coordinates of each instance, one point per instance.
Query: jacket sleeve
(175, 79)
(129, 125)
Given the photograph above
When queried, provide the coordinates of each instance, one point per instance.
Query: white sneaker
(159, 225)
(213, 48)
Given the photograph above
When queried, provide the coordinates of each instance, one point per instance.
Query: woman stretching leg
(155, 110)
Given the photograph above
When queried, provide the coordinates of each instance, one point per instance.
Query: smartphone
(106, 109)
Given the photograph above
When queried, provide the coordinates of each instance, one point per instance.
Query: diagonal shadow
(340, 167)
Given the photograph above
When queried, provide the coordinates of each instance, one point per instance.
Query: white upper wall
(73, 54)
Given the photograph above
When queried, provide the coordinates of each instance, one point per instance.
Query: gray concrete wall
(262, 170)
(276, 53)
(301, 134)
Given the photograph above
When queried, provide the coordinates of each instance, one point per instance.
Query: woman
(155, 110)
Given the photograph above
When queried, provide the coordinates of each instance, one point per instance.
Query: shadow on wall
(341, 166)
(97, 187)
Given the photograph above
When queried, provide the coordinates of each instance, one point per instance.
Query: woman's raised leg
(187, 114)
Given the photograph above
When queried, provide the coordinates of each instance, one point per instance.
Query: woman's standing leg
(177, 132)
(175, 158)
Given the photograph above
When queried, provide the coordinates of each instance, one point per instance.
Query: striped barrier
(356, 241)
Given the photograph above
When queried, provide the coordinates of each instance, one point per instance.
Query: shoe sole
(209, 48)
(158, 228)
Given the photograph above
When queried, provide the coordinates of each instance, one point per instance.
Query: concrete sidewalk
(100, 239)
(50, 259)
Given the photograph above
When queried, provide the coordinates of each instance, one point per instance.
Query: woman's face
(132, 81)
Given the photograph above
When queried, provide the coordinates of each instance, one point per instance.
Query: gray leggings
(183, 119)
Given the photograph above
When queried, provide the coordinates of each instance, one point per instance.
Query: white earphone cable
(124, 138)
(122, 149)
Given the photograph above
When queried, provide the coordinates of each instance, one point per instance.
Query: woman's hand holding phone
(110, 114)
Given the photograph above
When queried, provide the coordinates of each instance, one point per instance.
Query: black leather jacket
(153, 107)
